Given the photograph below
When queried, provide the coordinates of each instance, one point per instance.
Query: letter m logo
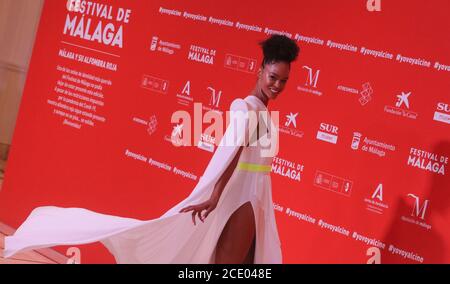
(417, 210)
(215, 97)
(312, 78)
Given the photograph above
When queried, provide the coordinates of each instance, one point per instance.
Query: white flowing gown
(172, 238)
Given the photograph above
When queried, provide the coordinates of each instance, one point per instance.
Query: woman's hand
(208, 205)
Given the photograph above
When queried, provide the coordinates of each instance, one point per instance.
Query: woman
(232, 199)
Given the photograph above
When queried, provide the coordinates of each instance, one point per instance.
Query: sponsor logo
(177, 137)
(155, 84)
(207, 142)
(151, 124)
(159, 45)
(375, 203)
(185, 98)
(356, 140)
(215, 97)
(291, 119)
(370, 145)
(333, 183)
(311, 81)
(365, 94)
(402, 106)
(442, 113)
(418, 213)
(403, 99)
(154, 43)
(214, 100)
(328, 133)
(239, 63)
(290, 126)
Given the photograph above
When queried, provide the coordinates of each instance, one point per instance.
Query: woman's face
(273, 78)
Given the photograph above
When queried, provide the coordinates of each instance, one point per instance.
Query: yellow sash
(253, 167)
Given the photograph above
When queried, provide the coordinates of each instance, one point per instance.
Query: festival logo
(201, 54)
(427, 161)
(286, 168)
(96, 23)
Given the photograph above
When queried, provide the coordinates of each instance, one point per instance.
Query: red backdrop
(364, 119)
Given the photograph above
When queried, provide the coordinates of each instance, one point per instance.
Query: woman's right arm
(223, 180)
(212, 202)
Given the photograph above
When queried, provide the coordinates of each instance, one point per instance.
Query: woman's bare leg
(237, 237)
(250, 258)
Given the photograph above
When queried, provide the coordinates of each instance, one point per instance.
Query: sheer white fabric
(172, 238)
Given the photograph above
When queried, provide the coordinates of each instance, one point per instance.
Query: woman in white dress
(232, 201)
